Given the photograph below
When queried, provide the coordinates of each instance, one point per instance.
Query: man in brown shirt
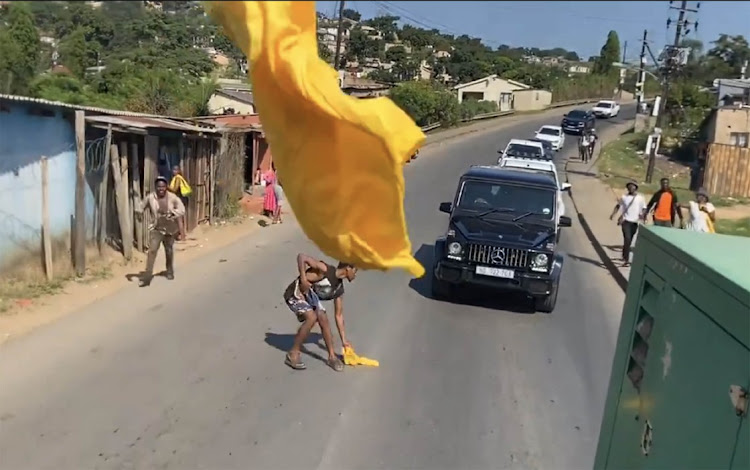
(167, 211)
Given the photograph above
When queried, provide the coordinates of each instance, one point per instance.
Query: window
(740, 139)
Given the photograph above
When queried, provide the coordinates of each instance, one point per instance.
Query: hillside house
(731, 90)
(579, 68)
(724, 159)
(442, 55)
(491, 88)
(232, 100)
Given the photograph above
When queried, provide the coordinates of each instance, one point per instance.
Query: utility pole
(641, 85)
(337, 56)
(670, 63)
(622, 71)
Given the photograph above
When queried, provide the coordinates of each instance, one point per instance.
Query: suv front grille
(506, 257)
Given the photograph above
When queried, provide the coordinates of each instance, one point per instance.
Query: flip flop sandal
(296, 365)
(335, 364)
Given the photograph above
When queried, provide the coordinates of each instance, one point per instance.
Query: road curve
(190, 374)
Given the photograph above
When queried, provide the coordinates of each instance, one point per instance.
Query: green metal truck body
(677, 394)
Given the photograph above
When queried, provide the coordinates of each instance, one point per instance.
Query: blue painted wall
(24, 139)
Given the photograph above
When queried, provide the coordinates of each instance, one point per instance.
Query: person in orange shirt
(665, 206)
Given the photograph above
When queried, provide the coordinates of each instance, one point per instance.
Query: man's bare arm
(338, 305)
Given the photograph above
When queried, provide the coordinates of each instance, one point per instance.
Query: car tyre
(440, 290)
(547, 303)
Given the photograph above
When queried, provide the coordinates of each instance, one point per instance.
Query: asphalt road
(190, 374)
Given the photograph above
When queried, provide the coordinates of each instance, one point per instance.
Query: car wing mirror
(565, 186)
(446, 207)
(565, 221)
(501, 152)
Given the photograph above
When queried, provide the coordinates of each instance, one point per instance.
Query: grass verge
(620, 162)
(738, 227)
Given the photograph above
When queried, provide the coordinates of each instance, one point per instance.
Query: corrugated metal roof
(93, 109)
(141, 122)
(239, 95)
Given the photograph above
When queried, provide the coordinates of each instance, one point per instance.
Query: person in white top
(702, 213)
(631, 206)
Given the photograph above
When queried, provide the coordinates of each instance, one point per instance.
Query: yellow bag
(341, 158)
(181, 184)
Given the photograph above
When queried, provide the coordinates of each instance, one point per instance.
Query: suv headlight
(539, 262)
(455, 249)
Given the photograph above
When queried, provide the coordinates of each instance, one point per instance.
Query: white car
(522, 148)
(552, 134)
(540, 166)
(606, 108)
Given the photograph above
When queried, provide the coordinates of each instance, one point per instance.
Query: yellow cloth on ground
(351, 359)
(340, 158)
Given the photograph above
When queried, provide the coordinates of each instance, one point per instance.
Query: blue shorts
(300, 307)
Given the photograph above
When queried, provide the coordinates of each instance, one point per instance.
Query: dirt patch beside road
(36, 304)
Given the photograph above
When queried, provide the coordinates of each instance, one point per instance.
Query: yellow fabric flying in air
(352, 359)
(340, 158)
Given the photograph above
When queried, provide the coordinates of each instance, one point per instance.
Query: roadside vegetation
(738, 227)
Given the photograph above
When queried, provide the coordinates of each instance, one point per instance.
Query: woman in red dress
(270, 203)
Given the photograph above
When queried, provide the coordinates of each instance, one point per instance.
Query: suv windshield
(523, 151)
(577, 114)
(549, 131)
(483, 196)
(604, 105)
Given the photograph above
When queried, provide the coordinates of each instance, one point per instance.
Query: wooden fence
(727, 171)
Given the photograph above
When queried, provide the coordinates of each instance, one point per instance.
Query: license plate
(495, 272)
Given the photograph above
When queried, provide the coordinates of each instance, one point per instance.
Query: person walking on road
(583, 147)
(317, 282)
(279, 191)
(631, 206)
(702, 214)
(167, 211)
(593, 138)
(182, 189)
(665, 206)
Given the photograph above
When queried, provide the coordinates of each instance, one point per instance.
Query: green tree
(74, 52)
(351, 14)
(23, 47)
(609, 53)
(426, 103)
(396, 54)
(733, 50)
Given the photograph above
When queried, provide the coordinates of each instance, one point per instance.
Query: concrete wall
(218, 103)
(727, 121)
(531, 100)
(492, 89)
(25, 139)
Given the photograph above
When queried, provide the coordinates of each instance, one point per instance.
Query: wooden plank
(104, 191)
(135, 185)
(79, 236)
(224, 142)
(46, 236)
(150, 159)
(123, 208)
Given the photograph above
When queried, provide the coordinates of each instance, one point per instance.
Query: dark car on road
(577, 121)
(501, 235)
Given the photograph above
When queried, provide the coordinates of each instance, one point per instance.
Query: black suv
(578, 120)
(501, 235)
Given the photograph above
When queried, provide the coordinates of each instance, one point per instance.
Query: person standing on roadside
(167, 211)
(182, 189)
(631, 206)
(665, 206)
(702, 214)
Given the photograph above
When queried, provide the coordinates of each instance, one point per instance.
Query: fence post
(79, 237)
(135, 179)
(104, 191)
(46, 241)
(121, 196)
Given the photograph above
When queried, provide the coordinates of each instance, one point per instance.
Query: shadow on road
(474, 296)
(283, 342)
